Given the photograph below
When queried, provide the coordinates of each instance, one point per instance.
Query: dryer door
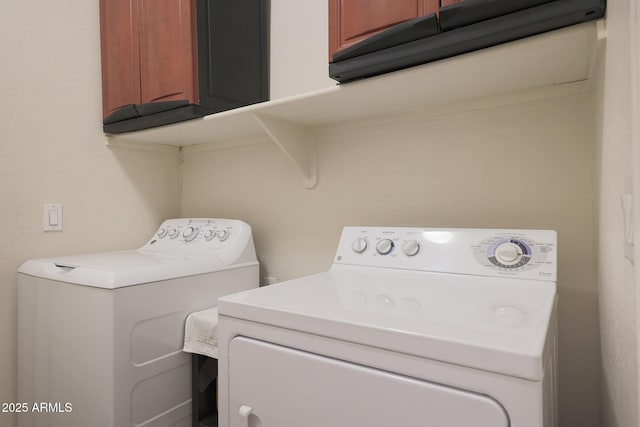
(275, 386)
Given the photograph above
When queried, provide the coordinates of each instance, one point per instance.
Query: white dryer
(409, 327)
(100, 336)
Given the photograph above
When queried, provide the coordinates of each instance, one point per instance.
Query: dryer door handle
(244, 412)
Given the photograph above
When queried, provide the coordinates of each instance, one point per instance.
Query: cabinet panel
(120, 54)
(166, 61)
(233, 38)
(448, 2)
(359, 18)
(167, 51)
(351, 21)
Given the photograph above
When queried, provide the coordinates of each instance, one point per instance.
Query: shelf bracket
(297, 142)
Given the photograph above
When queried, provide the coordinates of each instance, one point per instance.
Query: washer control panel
(195, 230)
(489, 252)
(186, 236)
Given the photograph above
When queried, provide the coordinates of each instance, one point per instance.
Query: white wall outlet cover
(52, 219)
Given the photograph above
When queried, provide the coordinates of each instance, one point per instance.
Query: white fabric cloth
(201, 333)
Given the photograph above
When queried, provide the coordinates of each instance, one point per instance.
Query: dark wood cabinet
(168, 61)
(165, 61)
(147, 52)
(351, 21)
(119, 37)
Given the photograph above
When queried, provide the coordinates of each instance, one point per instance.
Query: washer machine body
(409, 327)
(100, 335)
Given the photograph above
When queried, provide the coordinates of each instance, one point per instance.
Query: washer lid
(495, 324)
(112, 270)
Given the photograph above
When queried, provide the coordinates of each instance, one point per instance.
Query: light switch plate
(52, 220)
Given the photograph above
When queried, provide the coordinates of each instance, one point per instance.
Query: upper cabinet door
(120, 54)
(168, 66)
(351, 21)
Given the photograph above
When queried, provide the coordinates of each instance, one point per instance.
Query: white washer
(409, 327)
(100, 335)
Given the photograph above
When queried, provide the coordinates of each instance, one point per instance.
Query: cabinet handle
(244, 412)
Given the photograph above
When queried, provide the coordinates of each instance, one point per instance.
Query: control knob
(209, 234)
(411, 248)
(223, 235)
(173, 233)
(384, 246)
(359, 245)
(508, 253)
(162, 232)
(189, 234)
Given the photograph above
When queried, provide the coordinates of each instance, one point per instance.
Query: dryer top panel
(495, 324)
(180, 248)
(482, 298)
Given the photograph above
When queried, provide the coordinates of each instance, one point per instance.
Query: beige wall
(299, 52)
(52, 150)
(521, 166)
(617, 171)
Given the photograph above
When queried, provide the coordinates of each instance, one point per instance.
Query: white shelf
(550, 59)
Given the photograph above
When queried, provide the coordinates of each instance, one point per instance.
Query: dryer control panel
(527, 254)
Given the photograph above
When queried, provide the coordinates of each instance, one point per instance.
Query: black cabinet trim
(158, 119)
(242, 56)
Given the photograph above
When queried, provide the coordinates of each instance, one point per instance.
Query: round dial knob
(359, 245)
(162, 232)
(508, 253)
(209, 234)
(173, 233)
(223, 235)
(384, 246)
(189, 234)
(411, 248)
